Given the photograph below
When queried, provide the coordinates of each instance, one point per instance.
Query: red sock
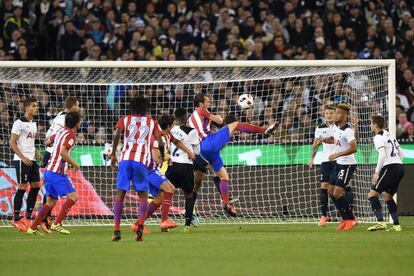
(40, 216)
(152, 207)
(166, 204)
(64, 210)
(249, 128)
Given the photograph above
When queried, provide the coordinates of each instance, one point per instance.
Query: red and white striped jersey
(167, 140)
(137, 131)
(64, 137)
(200, 120)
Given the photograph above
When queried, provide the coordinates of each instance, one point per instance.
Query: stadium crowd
(208, 30)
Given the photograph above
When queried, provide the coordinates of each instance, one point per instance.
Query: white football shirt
(384, 139)
(343, 136)
(57, 124)
(322, 132)
(189, 137)
(26, 130)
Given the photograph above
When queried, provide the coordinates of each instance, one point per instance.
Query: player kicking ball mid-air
(211, 146)
(137, 129)
(57, 182)
(387, 176)
(201, 119)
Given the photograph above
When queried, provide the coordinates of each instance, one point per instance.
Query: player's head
(342, 112)
(139, 105)
(330, 114)
(377, 123)
(31, 107)
(201, 100)
(72, 104)
(180, 115)
(73, 120)
(166, 122)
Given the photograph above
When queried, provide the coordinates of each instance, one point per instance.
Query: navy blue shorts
(211, 146)
(132, 172)
(389, 179)
(341, 175)
(155, 179)
(326, 170)
(26, 173)
(57, 184)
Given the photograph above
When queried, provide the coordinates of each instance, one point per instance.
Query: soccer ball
(246, 101)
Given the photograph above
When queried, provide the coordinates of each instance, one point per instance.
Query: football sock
(118, 207)
(50, 212)
(31, 201)
(64, 210)
(347, 208)
(142, 210)
(195, 196)
(392, 208)
(189, 205)
(216, 180)
(349, 195)
(152, 207)
(40, 215)
(166, 204)
(17, 202)
(249, 128)
(224, 190)
(324, 202)
(376, 208)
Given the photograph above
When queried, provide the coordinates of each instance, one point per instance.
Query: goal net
(269, 178)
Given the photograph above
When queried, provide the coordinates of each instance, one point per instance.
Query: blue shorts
(155, 179)
(132, 171)
(57, 184)
(211, 146)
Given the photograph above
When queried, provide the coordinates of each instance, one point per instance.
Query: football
(246, 101)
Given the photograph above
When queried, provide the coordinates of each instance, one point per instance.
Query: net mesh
(269, 177)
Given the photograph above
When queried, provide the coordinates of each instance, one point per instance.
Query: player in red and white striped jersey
(56, 179)
(137, 129)
(201, 118)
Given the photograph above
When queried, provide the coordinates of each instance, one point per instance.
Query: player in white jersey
(71, 105)
(181, 172)
(387, 176)
(345, 147)
(324, 131)
(22, 142)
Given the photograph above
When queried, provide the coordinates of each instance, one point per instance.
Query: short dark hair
(229, 119)
(70, 102)
(72, 119)
(139, 105)
(344, 106)
(165, 120)
(180, 114)
(29, 101)
(378, 120)
(330, 107)
(199, 98)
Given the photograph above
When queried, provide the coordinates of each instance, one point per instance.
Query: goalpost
(269, 177)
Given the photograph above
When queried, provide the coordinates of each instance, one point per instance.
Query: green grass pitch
(283, 249)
